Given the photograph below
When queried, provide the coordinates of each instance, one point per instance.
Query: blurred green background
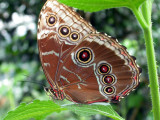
(21, 75)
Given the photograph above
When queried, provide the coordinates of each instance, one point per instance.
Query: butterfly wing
(60, 29)
(87, 67)
(98, 69)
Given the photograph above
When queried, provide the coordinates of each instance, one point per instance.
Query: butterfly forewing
(60, 29)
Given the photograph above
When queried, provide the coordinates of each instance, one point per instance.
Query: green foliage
(97, 5)
(40, 109)
(87, 110)
(37, 110)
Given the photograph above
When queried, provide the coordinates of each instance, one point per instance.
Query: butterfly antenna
(29, 79)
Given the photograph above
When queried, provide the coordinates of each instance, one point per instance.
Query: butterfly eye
(84, 55)
(109, 90)
(74, 36)
(64, 31)
(108, 79)
(104, 69)
(51, 20)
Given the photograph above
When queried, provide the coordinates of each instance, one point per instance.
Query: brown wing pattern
(86, 66)
(110, 74)
(60, 29)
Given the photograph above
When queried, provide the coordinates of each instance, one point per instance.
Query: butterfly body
(80, 64)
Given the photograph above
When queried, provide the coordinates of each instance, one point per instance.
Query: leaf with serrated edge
(37, 109)
(97, 5)
(92, 109)
(41, 109)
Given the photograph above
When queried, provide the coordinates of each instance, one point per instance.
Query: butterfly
(80, 64)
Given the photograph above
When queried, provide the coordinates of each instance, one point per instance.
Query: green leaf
(41, 109)
(97, 5)
(37, 109)
(92, 109)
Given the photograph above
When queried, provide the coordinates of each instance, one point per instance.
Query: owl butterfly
(80, 64)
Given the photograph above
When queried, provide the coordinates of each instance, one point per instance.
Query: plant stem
(153, 77)
(145, 22)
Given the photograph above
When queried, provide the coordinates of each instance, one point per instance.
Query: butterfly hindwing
(98, 61)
